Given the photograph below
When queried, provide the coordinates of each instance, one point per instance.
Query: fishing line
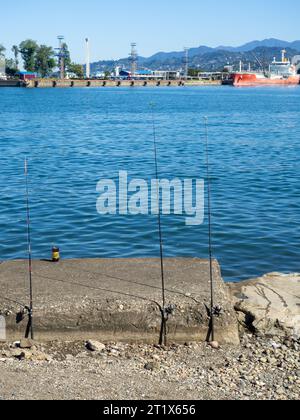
(210, 250)
(29, 330)
(164, 311)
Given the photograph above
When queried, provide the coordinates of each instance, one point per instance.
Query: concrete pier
(54, 83)
(12, 83)
(116, 300)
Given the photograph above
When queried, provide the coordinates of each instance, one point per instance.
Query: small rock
(151, 366)
(214, 345)
(26, 343)
(95, 346)
(275, 345)
(25, 355)
(39, 357)
(114, 352)
(13, 353)
(280, 391)
(82, 355)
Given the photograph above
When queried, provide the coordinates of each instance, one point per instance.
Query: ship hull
(248, 79)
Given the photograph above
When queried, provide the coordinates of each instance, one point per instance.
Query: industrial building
(27, 75)
(145, 75)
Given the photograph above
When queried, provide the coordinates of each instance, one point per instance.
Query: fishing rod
(29, 330)
(164, 338)
(210, 250)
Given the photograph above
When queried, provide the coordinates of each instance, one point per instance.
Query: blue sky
(160, 26)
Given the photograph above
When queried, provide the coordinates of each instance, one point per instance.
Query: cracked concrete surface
(271, 303)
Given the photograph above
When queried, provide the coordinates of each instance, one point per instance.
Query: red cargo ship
(280, 73)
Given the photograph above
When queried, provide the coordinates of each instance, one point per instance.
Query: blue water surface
(75, 137)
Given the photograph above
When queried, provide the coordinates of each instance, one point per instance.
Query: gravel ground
(260, 369)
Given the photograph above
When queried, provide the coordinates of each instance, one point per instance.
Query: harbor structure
(61, 56)
(147, 75)
(186, 63)
(133, 59)
(2, 67)
(88, 58)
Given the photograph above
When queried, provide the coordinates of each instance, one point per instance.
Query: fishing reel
(21, 315)
(217, 311)
(168, 310)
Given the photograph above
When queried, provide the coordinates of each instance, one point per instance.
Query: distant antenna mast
(88, 59)
(133, 59)
(61, 56)
(186, 63)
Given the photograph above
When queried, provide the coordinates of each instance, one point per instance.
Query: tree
(28, 50)
(10, 68)
(2, 50)
(107, 75)
(15, 50)
(44, 60)
(67, 56)
(194, 72)
(77, 69)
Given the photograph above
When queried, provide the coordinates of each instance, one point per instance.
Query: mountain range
(257, 53)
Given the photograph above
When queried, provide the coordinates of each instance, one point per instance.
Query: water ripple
(75, 137)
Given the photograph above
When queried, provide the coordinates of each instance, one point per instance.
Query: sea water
(75, 137)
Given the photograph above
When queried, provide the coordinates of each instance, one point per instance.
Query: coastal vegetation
(76, 69)
(194, 72)
(41, 59)
(44, 60)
